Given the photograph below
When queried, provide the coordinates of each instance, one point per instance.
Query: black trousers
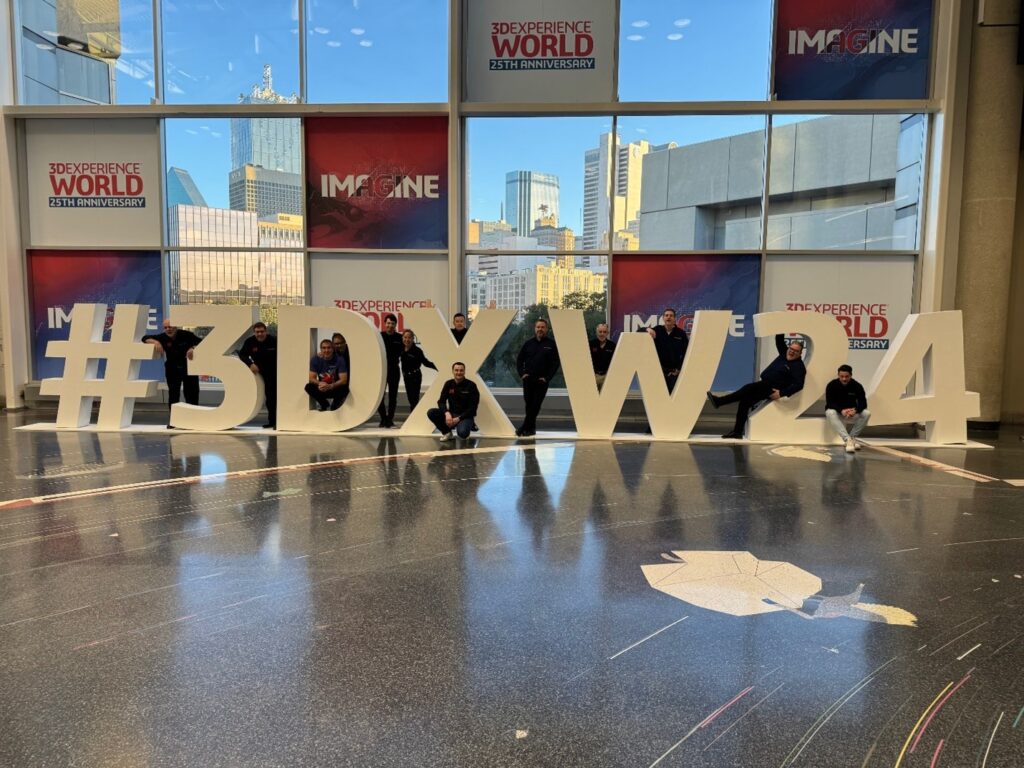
(390, 400)
(178, 378)
(534, 391)
(270, 395)
(747, 396)
(413, 382)
(329, 400)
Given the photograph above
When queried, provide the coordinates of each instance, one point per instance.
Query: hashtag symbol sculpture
(80, 385)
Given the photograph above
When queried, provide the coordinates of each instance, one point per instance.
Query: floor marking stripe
(933, 464)
(991, 739)
(737, 720)
(918, 723)
(706, 721)
(260, 472)
(963, 656)
(935, 712)
(897, 551)
(982, 541)
(957, 638)
(1015, 722)
(935, 757)
(638, 642)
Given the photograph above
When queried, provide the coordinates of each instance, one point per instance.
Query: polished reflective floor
(204, 600)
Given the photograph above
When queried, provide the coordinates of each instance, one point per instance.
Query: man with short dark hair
(601, 350)
(393, 349)
(328, 378)
(846, 403)
(537, 363)
(783, 377)
(259, 352)
(671, 342)
(176, 346)
(459, 329)
(456, 408)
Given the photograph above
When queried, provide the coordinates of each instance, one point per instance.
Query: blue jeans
(462, 429)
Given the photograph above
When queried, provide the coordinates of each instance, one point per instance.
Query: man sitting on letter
(456, 408)
(783, 377)
(846, 403)
(328, 378)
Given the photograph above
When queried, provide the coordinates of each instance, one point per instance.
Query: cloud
(190, 131)
(333, 44)
(256, 42)
(640, 23)
(675, 36)
(321, 30)
(174, 88)
(366, 43)
(357, 31)
(635, 38)
(681, 23)
(231, 66)
(641, 130)
(216, 134)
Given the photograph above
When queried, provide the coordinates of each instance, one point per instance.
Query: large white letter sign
(672, 416)
(942, 403)
(777, 421)
(82, 352)
(443, 350)
(243, 392)
(366, 378)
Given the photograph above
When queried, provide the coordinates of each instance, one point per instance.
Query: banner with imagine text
(377, 182)
(644, 286)
(60, 279)
(539, 51)
(870, 296)
(93, 182)
(836, 49)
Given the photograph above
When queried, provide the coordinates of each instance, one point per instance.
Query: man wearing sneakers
(846, 404)
(456, 408)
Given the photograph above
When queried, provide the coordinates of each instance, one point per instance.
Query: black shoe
(519, 432)
(170, 426)
(732, 436)
(713, 400)
(475, 428)
(383, 424)
(270, 426)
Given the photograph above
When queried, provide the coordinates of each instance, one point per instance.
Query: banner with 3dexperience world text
(377, 182)
(60, 279)
(540, 51)
(837, 49)
(93, 182)
(870, 296)
(644, 286)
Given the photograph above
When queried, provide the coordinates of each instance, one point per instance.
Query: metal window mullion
(158, 53)
(303, 94)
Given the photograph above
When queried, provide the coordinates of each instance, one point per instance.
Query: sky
(396, 50)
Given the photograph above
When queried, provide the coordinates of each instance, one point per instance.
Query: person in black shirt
(456, 408)
(459, 329)
(341, 348)
(537, 364)
(670, 341)
(601, 350)
(393, 348)
(259, 352)
(411, 360)
(176, 346)
(783, 377)
(846, 403)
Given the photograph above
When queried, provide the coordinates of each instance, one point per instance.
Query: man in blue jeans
(456, 408)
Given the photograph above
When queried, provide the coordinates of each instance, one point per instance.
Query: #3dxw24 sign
(943, 405)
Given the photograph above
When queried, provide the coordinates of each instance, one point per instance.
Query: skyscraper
(181, 189)
(271, 142)
(529, 195)
(264, 192)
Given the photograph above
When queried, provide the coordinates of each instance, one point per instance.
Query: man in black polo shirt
(176, 345)
(459, 329)
(393, 348)
(846, 403)
(259, 352)
(670, 341)
(456, 408)
(601, 350)
(537, 364)
(783, 377)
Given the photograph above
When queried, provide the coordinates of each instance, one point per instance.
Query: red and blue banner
(644, 286)
(377, 182)
(837, 49)
(60, 279)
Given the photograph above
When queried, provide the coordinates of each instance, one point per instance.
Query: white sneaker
(849, 446)
(447, 437)
(856, 444)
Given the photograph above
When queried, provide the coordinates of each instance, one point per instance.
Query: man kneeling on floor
(846, 403)
(456, 408)
(783, 377)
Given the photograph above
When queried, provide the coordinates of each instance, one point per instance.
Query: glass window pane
(846, 182)
(532, 285)
(690, 183)
(87, 53)
(231, 51)
(538, 183)
(687, 50)
(234, 182)
(377, 51)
